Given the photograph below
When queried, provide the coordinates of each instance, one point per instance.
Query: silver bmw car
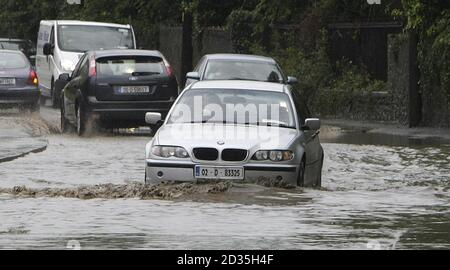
(236, 131)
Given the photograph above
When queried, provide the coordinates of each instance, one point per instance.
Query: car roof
(11, 51)
(124, 52)
(76, 22)
(245, 57)
(233, 84)
(14, 40)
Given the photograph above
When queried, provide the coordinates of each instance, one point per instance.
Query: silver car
(18, 81)
(236, 131)
(229, 66)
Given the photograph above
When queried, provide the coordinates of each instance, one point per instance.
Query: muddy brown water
(379, 192)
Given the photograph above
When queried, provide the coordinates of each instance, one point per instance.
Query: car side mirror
(193, 76)
(65, 77)
(48, 49)
(292, 80)
(312, 124)
(153, 118)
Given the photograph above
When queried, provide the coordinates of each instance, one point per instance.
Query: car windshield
(130, 66)
(12, 61)
(243, 70)
(82, 38)
(245, 107)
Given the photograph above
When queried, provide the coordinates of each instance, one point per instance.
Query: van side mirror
(292, 80)
(153, 118)
(48, 49)
(65, 77)
(193, 76)
(312, 124)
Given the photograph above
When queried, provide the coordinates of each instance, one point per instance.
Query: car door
(71, 89)
(46, 35)
(313, 149)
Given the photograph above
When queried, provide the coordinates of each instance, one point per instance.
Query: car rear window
(9, 45)
(12, 61)
(16, 45)
(243, 70)
(130, 66)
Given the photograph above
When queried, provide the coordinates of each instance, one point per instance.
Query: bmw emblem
(221, 143)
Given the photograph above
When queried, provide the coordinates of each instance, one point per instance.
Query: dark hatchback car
(116, 88)
(238, 67)
(18, 81)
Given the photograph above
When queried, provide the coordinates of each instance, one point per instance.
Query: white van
(61, 44)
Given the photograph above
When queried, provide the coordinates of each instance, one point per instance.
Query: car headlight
(262, 155)
(67, 65)
(170, 151)
(274, 155)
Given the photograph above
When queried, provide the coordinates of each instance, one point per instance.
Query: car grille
(209, 154)
(234, 155)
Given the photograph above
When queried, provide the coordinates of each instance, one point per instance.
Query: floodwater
(87, 193)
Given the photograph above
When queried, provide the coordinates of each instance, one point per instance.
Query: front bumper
(127, 110)
(20, 96)
(162, 171)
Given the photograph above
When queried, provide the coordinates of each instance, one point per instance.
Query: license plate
(7, 81)
(219, 173)
(132, 90)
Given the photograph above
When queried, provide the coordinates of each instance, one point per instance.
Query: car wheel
(319, 176)
(29, 108)
(301, 174)
(65, 125)
(81, 120)
(55, 96)
(42, 100)
(34, 108)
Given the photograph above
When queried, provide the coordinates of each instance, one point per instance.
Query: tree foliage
(20, 18)
(430, 20)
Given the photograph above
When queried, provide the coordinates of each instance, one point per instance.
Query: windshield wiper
(242, 79)
(270, 124)
(266, 124)
(208, 122)
(144, 73)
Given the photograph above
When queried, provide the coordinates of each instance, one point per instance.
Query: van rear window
(130, 66)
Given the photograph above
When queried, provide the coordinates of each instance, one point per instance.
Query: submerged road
(379, 191)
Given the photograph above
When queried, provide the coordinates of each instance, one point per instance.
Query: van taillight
(92, 67)
(33, 79)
